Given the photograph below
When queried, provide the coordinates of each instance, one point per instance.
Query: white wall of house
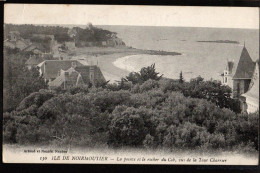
(252, 105)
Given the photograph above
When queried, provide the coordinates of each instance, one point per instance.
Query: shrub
(149, 142)
(129, 126)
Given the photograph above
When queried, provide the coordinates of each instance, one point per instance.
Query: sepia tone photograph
(111, 84)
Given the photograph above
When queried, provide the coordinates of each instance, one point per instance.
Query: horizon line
(134, 25)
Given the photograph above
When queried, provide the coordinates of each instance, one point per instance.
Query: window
(238, 88)
(225, 79)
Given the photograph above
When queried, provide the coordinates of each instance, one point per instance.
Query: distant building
(88, 43)
(35, 48)
(114, 41)
(57, 51)
(33, 61)
(72, 32)
(103, 43)
(70, 45)
(43, 36)
(14, 36)
(89, 26)
(229, 73)
(51, 43)
(240, 78)
(50, 69)
(16, 41)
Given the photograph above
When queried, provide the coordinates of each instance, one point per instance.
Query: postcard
(118, 84)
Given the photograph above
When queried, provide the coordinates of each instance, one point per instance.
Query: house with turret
(242, 78)
(251, 97)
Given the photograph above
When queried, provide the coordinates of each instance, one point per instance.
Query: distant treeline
(27, 30)
(60, 33)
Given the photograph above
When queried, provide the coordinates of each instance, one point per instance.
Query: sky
(137, 15)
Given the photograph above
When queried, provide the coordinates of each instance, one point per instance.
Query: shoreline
(106, 58)
(121, 63)
(109, 69)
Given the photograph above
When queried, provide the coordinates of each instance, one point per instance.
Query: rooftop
(34, 60)
(71, 77)
(50, 68)
(245, 67)
(253, 92)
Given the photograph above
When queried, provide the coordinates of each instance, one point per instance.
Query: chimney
(59, 72)
(74, 64)
(66, 76)
(92, 75)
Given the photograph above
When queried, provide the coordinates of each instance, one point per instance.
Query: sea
(205, 59)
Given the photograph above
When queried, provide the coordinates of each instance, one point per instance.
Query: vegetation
(181, 80)
(143, 110)
(18, 81)
(145, 74)
(89, 34)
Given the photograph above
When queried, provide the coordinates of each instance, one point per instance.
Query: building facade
(240, 78)
(228, 74)
(69, 73)
(50, 69)
(16, 41)
(251, 97)
(66, 79)
(74, 76)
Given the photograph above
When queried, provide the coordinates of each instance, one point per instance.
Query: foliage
(129, 126)
(19, 82)
(153, 113)
(210, 90)
(181, 80)
(89, 34)
(145, 74)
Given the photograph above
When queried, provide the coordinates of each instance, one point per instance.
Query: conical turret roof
(245, 67)
(254, 85)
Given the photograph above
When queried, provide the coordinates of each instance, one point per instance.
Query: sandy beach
(116, 62)
(105, 58)
(110, 71)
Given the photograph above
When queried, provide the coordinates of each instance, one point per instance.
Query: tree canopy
(150, 114)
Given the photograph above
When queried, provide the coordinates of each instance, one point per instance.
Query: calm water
(205, 59)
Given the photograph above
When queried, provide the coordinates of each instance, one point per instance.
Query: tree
(19, 82)
(21, 85)
(129, 126)
(145, 74)
(211, 90)
(181, 78)
(149, 73)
